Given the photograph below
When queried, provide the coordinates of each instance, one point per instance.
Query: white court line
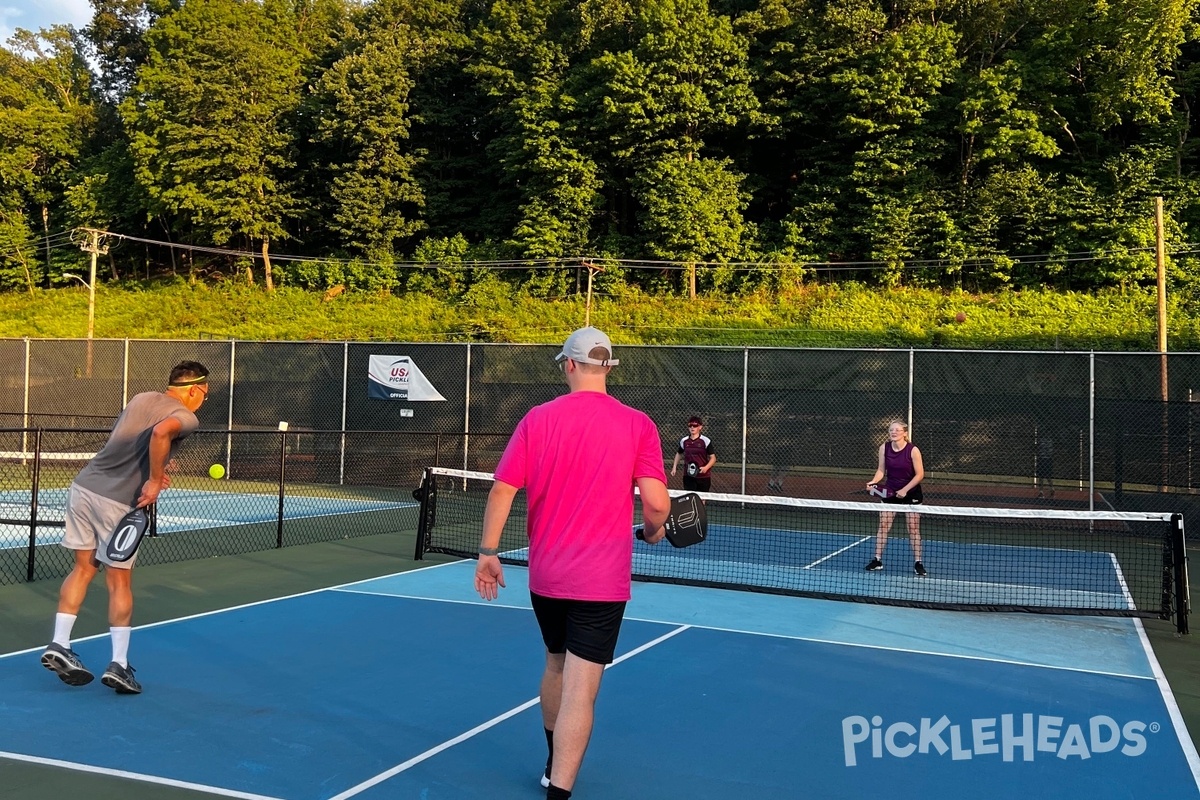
(1181, 731)
(135, 776)
(491, 723)
(838, 552)
(1116, 565)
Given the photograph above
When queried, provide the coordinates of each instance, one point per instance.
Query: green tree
(47, 114)
(210, 119)
(674, 74)
(375, 201)
(525, 57)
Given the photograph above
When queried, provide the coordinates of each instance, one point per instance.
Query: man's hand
(150, 491)
(489, 577)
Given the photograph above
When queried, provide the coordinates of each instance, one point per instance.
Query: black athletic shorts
(587, 628)
(914, 497)
(696, 483)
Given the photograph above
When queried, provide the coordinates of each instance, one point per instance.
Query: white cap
(581, 343)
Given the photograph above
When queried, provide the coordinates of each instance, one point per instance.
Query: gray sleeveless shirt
(123, 464)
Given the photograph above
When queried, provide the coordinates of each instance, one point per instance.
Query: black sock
(549, 749)
(555, 793)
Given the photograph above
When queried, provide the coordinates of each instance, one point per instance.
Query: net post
(1182, 593)
(426, 493)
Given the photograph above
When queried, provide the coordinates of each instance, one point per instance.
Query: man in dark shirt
(698, 455)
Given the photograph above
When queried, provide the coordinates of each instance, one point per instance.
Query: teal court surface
(410, 686)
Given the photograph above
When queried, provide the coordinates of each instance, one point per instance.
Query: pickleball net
(998, 559)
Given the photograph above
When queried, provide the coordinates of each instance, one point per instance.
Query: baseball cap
(582, 342)
(695, 421)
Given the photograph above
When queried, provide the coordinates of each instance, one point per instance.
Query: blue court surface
(409, 686)
(183, 510)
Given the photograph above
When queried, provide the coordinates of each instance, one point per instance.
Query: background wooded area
(975, 144)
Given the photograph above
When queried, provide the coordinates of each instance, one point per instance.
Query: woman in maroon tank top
(900, 470)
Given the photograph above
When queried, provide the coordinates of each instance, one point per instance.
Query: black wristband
(489, 551)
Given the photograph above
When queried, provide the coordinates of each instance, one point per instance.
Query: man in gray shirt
(128, 472)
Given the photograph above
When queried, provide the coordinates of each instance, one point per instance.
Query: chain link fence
(276, 491)
(1060, 429)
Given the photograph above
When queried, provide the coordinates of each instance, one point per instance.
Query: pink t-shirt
(577, 457)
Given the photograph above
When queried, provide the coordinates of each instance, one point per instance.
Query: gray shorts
(90, 520)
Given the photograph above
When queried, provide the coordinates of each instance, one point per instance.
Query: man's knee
(555, 662)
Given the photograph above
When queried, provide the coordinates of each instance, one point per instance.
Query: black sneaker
(874, 564)
(919, 568)
(64, 662)
(121, 679)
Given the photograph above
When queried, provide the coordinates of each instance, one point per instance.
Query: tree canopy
(979, 143)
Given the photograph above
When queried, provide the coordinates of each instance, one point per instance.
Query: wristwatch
(489, 551)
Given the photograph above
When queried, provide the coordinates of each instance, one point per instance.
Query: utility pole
(592, 270)
(94, 245)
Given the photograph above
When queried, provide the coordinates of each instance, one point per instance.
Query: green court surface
(171, 591)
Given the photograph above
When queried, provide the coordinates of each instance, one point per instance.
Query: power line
(63, 239)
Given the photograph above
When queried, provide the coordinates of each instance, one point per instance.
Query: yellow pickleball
(216, 472)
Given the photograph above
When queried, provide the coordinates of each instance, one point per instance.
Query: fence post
(33, 504)
(125, 375)
(467, 408)
(911, 363)
(283, 426)
(745, 403)
(1092, 431)
(345, 400)
(229, 418)
(25, 404)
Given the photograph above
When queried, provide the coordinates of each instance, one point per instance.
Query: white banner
(398, 378)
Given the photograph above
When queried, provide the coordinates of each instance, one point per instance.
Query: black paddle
(127, 535)
(687, 523)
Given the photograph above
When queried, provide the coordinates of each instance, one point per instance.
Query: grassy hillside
(847, 315)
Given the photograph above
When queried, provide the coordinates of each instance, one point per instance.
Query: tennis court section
(410, 686)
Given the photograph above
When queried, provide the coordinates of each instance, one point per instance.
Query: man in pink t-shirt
(578, 458)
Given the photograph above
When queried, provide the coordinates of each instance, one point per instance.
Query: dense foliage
(846, 315)
(977, 144)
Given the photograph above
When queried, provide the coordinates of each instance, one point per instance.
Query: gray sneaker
(121, 679)
(64, 662)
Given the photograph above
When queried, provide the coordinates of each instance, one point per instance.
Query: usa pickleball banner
(398, 378)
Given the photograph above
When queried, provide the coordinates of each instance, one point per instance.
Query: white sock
(120, 643)
(63, 623)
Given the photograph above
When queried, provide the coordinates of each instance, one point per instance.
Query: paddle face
(879, 491)
(693, 469)
(127, 535)
(687, 524)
